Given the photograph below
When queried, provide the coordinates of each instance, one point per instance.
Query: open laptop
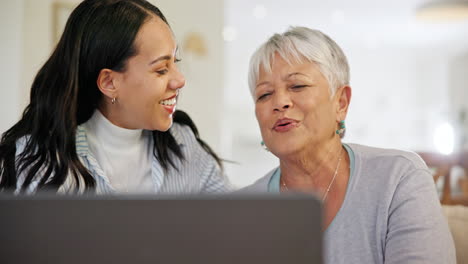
(155, 229)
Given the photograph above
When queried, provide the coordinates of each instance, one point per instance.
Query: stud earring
(341, 131)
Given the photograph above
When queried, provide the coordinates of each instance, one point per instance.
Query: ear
(343, 98)
(105, 83)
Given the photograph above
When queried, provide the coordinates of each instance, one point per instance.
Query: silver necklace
(331, 182)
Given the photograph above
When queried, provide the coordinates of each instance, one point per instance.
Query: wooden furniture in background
(443, 165)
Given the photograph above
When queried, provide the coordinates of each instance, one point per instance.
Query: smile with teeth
(169, 102)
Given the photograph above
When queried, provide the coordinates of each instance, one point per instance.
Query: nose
(177, 81)
(282, 101)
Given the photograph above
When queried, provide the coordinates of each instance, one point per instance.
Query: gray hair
(300, 44)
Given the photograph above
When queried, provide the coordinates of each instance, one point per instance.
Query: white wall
(37, 44)
(11, 23)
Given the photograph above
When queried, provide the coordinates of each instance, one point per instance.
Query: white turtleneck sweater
(124, 155)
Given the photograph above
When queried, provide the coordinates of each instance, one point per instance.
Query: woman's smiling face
(147, 89)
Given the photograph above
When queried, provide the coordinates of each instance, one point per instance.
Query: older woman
(380, 205)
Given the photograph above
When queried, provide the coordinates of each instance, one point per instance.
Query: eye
(263, 96)
(297, 87)
(162, 72)
(176, 60)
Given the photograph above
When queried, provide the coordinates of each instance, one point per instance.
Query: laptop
(160, 229)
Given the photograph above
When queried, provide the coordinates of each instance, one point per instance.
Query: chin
(281, 149)
(281, 152)
(163, 127)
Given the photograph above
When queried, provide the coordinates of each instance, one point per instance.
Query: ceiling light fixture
(443, 10)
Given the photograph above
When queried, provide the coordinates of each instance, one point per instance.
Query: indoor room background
(409, 75)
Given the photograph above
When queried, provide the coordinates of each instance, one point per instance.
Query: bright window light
(444, 138)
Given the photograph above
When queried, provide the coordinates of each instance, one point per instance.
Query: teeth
(169, 102)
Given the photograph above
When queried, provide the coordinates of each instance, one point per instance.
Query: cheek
(133, 89)
(261, 115)
(264, 123)
(320, 117)
(156, 88)
(149, 92)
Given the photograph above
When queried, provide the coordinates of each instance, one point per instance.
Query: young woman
(101, 112)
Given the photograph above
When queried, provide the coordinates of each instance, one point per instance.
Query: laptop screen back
(139, 229)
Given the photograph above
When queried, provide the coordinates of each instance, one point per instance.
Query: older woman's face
(294, 107)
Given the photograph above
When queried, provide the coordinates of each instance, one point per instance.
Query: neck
(312, 169)
(112, 135)
(110, 112)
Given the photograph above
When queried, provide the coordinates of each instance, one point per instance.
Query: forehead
(280, 69)
(155, 38)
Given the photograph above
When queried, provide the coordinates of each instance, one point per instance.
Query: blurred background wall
(409, 76)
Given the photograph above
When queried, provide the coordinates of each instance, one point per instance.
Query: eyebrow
(166, 57)
(262, 83)
(293, 74)
(284, 78)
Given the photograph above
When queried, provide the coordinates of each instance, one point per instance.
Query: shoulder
(194, 154)
(183, 134)
(260, 185)
(387, 157)
(389, 177)
(381, 172)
